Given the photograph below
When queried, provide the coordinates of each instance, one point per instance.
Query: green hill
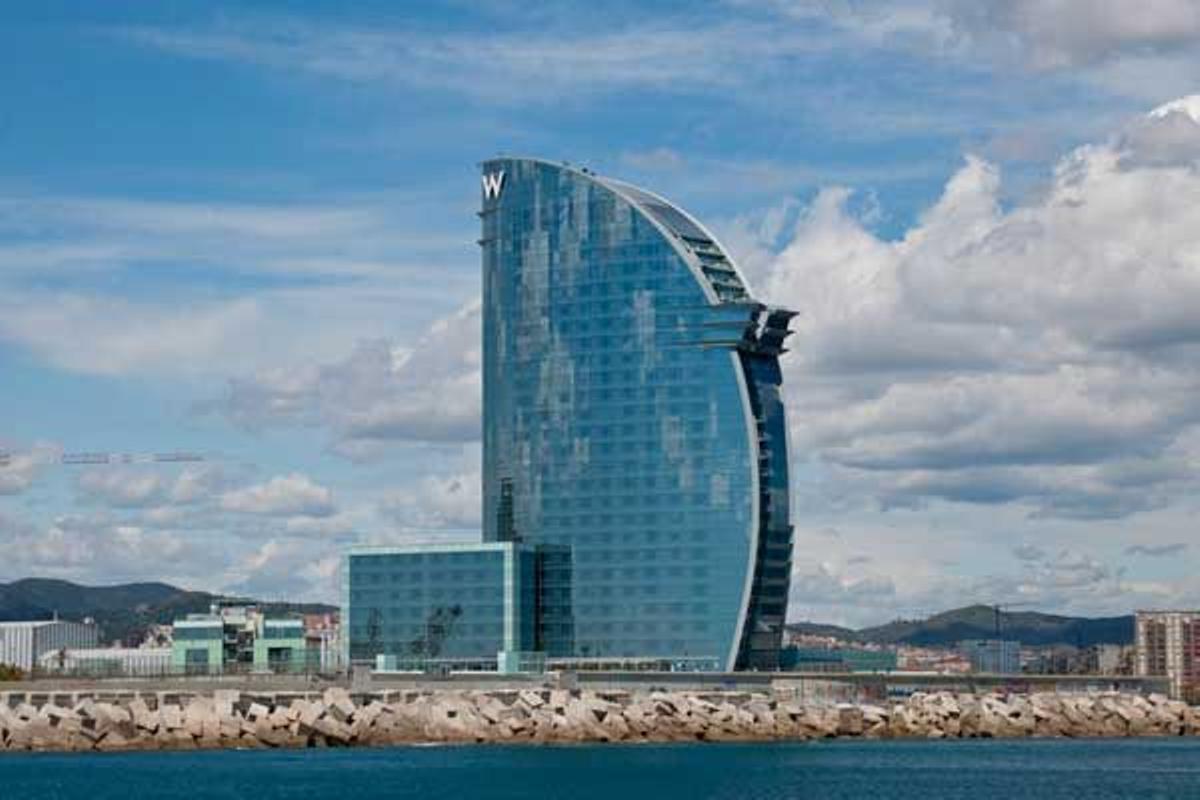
(980, 622)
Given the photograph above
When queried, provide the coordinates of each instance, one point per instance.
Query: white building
(145, 662)
(22, 644)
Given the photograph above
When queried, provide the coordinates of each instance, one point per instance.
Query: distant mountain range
(980, 622)
(123, 612)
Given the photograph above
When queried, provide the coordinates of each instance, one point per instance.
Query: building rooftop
(432, 547)
(41, 623)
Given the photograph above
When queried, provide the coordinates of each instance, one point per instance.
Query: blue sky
(248, 230)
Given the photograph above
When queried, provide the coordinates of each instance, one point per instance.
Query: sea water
(977, 769)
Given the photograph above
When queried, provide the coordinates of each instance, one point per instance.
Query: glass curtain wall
(631, 415)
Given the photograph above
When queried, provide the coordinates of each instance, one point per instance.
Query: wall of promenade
(134, 715)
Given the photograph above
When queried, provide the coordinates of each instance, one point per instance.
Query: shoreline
(237, 719)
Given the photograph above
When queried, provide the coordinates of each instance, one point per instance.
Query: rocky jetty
(334, 718)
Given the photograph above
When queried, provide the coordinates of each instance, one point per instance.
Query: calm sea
(1012, 770)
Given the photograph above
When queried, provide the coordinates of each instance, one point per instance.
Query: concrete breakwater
(335, 717)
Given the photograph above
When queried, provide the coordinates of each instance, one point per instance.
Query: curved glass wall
(631, 412)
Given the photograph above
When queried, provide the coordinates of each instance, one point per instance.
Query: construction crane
(106, 458)
(438, 628)
(999, 608)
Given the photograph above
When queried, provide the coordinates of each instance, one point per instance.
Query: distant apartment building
(992, 656)
(22, 644)
(1168, 644)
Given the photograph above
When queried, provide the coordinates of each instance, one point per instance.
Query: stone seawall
(335, 717)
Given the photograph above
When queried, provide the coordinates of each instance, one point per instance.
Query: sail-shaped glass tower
(632, 414)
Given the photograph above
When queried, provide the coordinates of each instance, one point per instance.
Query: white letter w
(492, 182)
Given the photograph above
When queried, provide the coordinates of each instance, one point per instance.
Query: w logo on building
(492, 183)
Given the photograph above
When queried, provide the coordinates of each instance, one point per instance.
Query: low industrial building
(992, 656)
(238, 639)
(476, 605)
(99, 662)
(22, 644)
(1168, 644)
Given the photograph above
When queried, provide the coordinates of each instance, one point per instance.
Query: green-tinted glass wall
(456, 602)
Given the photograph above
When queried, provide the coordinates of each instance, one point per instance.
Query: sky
(247, 230)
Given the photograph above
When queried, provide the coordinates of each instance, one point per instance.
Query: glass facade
(198, 647)
(632, 416)
(456, 602)
(280, 647)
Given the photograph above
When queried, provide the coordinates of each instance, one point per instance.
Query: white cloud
(439, 501)
(1043, 34)
(20, 468)
(948, 558)
(351, 237)
(100, 547)
(258, 283)
(124, 487)
(499, 66)
(935, 67)
(286, 570)
(339, 526)
(1066, 33)
(1042, 354)
(379, 394)
(156, 488)
(822, 586)
(108, 336)
(283, 495)
(1172, 550)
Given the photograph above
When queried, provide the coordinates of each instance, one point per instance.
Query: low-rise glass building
(198, 645)
(456, 603)
(280, 646)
